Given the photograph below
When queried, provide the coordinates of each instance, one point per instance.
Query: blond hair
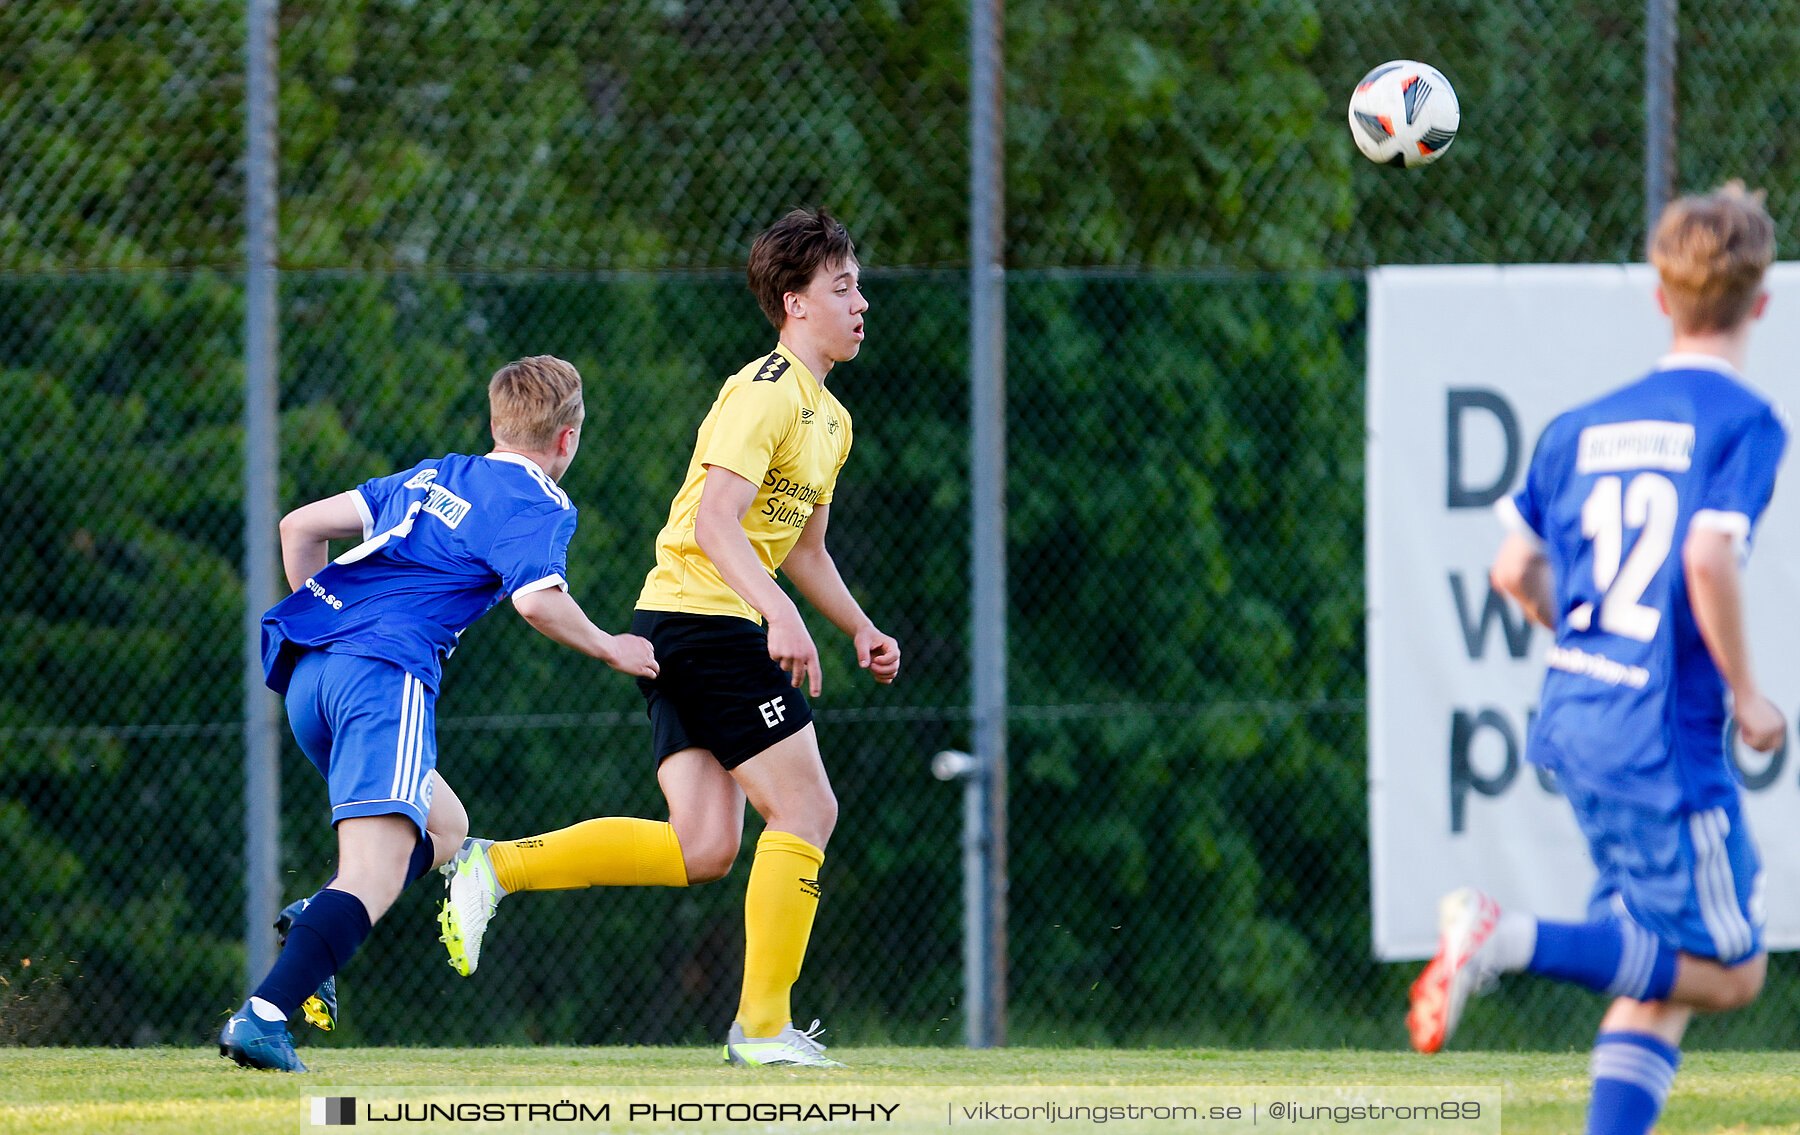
(1711, 251)
(531, 401)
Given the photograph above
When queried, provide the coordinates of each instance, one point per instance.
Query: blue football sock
(421, 861)
(319, 944)
(1615, 956)
(1632, 1075)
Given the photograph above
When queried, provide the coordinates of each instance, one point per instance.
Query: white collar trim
(1693, 360)
(518, 459)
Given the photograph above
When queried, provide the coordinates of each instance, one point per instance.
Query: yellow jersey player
(728, 716)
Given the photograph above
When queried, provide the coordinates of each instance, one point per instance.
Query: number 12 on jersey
(1649, 503)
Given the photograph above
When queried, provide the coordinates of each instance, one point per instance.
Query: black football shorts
(716, 687)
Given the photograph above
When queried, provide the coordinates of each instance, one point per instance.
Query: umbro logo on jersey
(811, 887)
(773, 368)
(806, 416)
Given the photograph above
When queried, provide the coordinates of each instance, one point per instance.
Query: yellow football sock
(779, 904)
(613, 851)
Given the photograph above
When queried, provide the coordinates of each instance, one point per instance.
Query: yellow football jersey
(777, 427)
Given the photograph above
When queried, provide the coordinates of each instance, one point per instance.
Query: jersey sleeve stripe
(537, 474)
(363, 510)
(549, 486)
(1514, 520)
(1733, 524)
(553, 580)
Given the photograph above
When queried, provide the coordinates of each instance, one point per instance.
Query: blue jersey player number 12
(1627, 541)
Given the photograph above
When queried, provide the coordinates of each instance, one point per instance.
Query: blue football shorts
(370, 728)
(1692, 878)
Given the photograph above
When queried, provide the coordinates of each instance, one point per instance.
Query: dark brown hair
(788, 252)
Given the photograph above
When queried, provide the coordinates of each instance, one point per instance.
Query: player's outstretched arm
(307, 532)
(1521, 571)
(725, 498)
(556, 615)
(1716, 594)
(815, 573)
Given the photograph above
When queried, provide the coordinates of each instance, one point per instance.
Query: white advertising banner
(1467, 365)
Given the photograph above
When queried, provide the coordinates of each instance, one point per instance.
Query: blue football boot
(321, 1009)
(256, 1043)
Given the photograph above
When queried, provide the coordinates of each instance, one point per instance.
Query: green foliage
(1188, 120)
(561, 134)
(120, 134)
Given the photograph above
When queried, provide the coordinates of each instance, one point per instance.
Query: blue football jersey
(1632, 703)
(443, 542)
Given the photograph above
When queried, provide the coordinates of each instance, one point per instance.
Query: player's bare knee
(1723, 988)
(708, 870)
(817, 817)
(708, 859)
(445, 845)
(447, 824)
(709, 843)
(448, 831)
(1740, 985)
(812, 818)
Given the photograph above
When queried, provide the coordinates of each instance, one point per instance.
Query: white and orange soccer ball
(1404, 113)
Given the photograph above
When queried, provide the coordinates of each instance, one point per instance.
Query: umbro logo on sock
(810, 886)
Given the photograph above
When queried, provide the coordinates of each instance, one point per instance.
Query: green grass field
(195, 1091)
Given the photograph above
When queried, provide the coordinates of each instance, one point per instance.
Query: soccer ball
(1404, 113)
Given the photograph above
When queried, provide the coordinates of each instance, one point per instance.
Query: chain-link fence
(469, 181)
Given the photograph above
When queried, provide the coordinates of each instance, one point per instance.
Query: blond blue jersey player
(358, 650)
(1627, 542)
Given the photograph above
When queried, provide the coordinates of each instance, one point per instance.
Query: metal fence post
(1660, 33)
(978, 873)
(986, 1007)
(262, 739)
